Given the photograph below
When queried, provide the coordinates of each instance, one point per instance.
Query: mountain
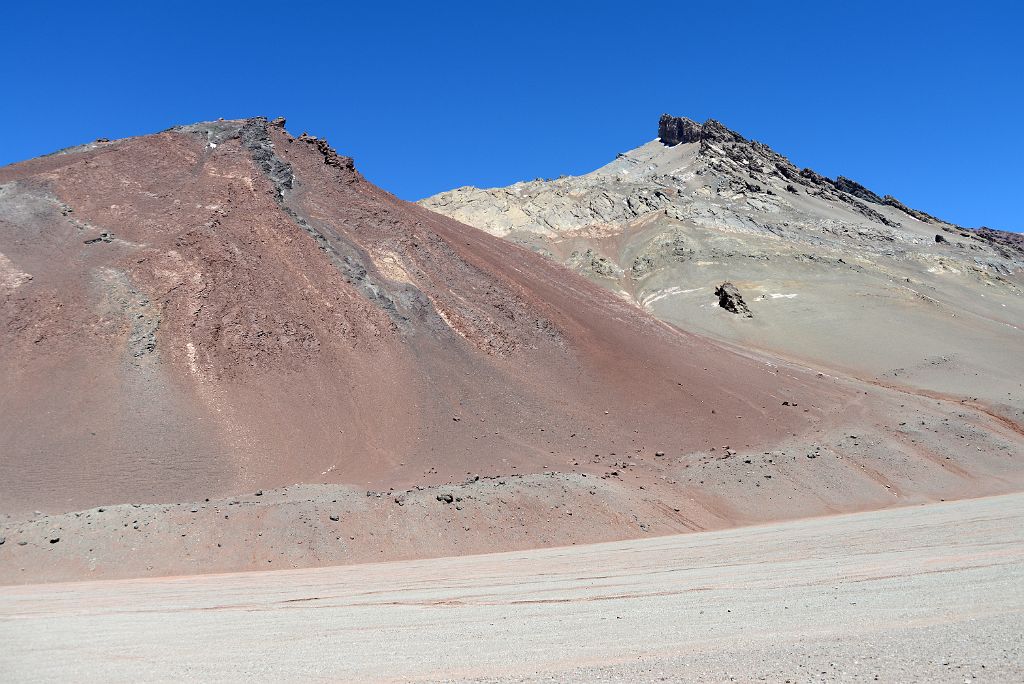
(832, 273)
(221, 348)
(223, 306)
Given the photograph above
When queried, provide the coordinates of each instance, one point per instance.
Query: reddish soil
(394, 346)
(221, 308)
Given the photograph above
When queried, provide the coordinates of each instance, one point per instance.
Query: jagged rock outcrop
(857, 190)
(331, 157)
(891, 201)
(730, 299)
(1009, 245)
(673, 130)
(716, 131)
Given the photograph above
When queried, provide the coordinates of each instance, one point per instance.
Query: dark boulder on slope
(730, 299)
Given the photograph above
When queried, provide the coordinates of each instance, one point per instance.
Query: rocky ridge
(825, 264)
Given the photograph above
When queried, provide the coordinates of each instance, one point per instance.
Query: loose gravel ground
(930, 593)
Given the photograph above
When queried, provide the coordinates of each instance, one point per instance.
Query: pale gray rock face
(835, 274)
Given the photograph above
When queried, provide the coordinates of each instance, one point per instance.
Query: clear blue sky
(919, 100)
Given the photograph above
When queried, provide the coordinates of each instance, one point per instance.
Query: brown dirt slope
(222, 306)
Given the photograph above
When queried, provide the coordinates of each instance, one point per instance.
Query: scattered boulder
(598, 264)
(104, 237)
(445, 498)
(939, 238)
(730, 299)
(642, 265)
(334, 517)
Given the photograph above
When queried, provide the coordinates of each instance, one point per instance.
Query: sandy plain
(924, 593)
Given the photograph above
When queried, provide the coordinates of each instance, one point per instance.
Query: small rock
(103, 237)
(54, 540)
(335, 517)
(259, 492)
(445, 498)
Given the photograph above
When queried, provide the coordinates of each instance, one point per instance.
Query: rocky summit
(835, 274)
